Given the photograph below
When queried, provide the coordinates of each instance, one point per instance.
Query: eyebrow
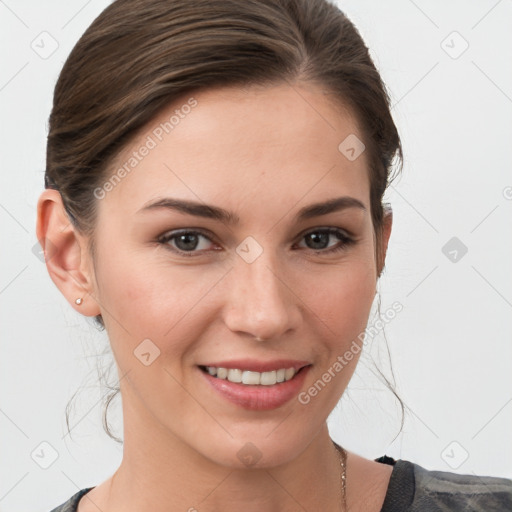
(217, 213)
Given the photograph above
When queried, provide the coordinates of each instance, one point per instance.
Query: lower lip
(258, 398)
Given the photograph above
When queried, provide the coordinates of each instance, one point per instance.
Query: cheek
(343, 308)
(344, 300)
(143, 300)
(147, 297)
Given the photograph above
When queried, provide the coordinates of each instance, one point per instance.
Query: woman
(214, 184)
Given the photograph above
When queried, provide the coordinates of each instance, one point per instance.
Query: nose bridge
(261, 304)
(263, 279)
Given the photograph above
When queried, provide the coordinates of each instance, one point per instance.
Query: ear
(387, 223)
(66, 255)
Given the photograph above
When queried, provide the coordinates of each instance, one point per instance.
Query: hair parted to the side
(139, 56)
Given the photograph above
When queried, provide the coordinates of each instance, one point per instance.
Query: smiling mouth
(251, 378)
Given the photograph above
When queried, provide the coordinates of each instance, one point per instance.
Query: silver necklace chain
(343, 464)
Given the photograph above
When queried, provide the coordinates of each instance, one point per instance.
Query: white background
(450, 346)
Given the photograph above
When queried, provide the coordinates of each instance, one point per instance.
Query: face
(184, 288)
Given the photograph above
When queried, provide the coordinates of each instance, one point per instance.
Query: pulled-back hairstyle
(138, 56)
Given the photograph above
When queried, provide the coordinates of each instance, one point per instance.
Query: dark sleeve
(72, 504)
(440, 491)
(401, 487)
(412, 488)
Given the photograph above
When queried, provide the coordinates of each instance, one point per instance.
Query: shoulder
(435, 490)
(462, 492)
(71, 505)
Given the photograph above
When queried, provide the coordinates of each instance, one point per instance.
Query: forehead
(275, 144)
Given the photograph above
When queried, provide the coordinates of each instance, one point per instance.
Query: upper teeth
(252, 378)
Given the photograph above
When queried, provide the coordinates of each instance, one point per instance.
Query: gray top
(413, 488)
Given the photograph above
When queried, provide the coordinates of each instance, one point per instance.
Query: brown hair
(138, 56)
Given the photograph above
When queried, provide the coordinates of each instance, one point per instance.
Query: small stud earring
(79, 301)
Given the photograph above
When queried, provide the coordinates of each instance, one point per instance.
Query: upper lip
(253, 365)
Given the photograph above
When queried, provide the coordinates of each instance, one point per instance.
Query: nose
(261, 302)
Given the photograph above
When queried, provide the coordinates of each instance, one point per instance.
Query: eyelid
(169, 235)
(346, 241)
(178, 231)
(208, 234)
(347, 233)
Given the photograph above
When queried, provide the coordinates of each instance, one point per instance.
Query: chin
(255, 451)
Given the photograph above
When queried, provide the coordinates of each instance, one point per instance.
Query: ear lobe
(387, 222)
(65, 252)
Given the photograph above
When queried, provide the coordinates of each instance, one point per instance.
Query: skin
(262, 153)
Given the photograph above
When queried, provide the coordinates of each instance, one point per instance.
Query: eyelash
(345, 240)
